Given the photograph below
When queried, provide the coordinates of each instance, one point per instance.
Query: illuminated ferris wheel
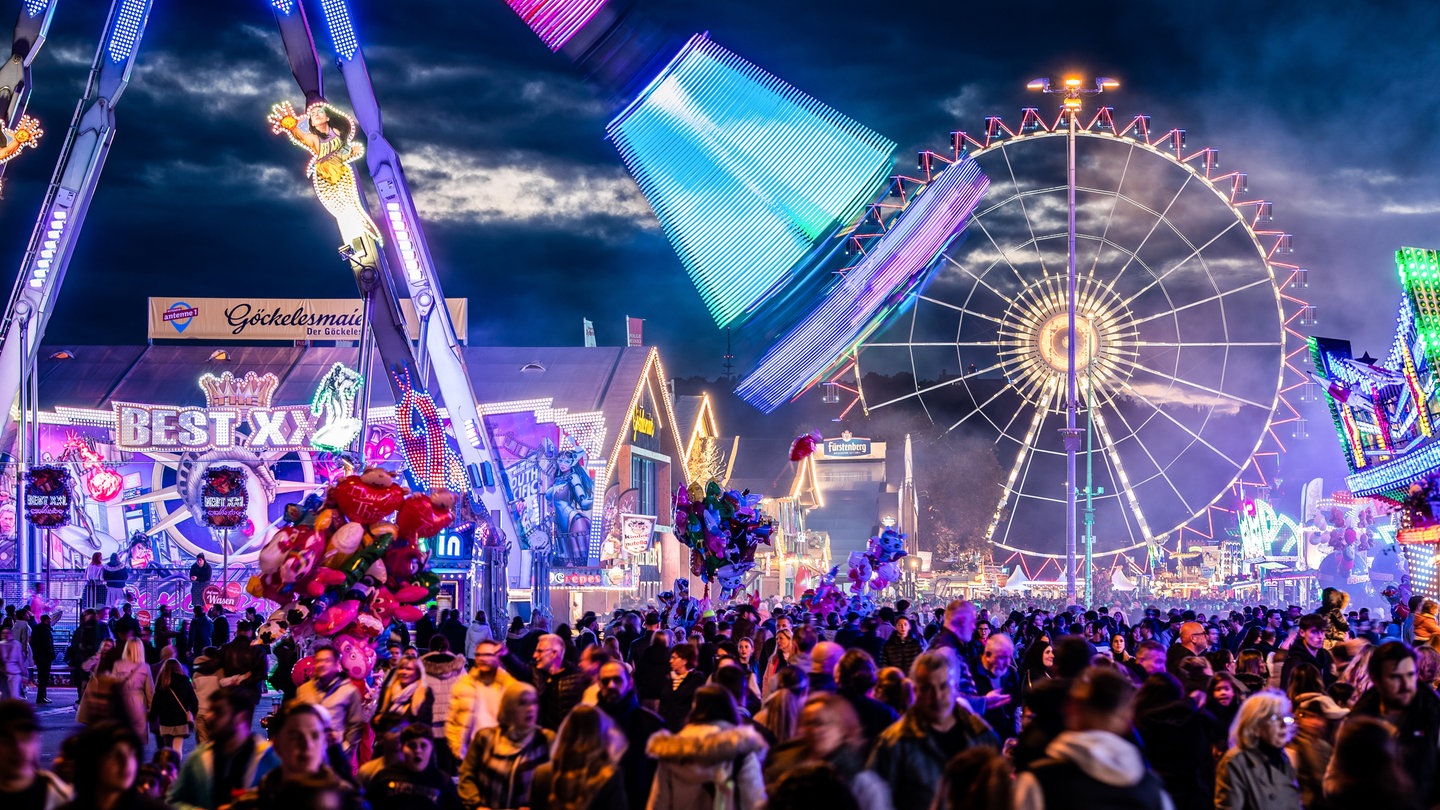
(1185, 331)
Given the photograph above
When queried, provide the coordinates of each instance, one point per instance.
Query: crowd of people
(679, 706)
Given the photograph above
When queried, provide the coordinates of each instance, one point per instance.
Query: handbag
(189, 715)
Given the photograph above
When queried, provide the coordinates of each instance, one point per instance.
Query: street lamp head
(1072, 81)
(1105, 83)
(1043, 85)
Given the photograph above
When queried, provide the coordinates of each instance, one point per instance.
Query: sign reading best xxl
(276, 318)
(159, 428)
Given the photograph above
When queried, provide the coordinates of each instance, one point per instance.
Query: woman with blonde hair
(780, 714)
(408, 694)
(134, 688)
(1255, 774)
(784, 655)
(584, 768)
(502, 760)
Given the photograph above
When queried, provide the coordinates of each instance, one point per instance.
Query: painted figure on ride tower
(328, 134)
(573, 495)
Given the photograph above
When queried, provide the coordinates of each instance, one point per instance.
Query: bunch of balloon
(876, 568)
(349, 562)
(722, 528)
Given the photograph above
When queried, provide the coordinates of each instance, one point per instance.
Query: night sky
(531, 215)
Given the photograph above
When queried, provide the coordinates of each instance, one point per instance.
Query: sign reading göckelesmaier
(275, 318)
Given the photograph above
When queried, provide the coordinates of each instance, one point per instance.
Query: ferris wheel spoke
(978, 219)
(939, 385)
(937, 344)
(1114, 205)
(981, 407)
(1108, 443)
(1111, 449)
(962, 310)
(1024, 210)
(1195, 252)
(1162, 218)
(979, 279)
(1138, 366)
(1021, 463)
(1210, 299)
(1159, 344)
(1196, 436)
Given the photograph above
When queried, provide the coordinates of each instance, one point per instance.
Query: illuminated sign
(47, 496)
(288, 319)
(593, 579)
(641, 423)
(636, 532)
(233, 403)
(224, 498)
(1260, 527)
(847, 446)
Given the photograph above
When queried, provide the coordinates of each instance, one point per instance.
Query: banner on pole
(589, 333)
(47, 496)
(634, 331)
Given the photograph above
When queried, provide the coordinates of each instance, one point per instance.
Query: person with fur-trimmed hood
(1333, 602)
(442, 669)
(713, 763)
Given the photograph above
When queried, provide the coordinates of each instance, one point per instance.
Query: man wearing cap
(232, 761)
(23, 784)
(1317, 718)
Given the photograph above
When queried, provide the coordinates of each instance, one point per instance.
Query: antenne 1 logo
(180, 314)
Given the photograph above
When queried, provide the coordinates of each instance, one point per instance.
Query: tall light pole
(1072, 90)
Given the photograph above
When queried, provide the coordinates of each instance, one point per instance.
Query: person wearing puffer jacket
(442, 669)
(713, 763)
(474, 701)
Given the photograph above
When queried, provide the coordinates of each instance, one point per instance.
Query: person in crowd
(1179, 739)
(823, 659)
(408, 695)
(856, 676)
(713, 761)
(560, 683)
(618, 700)
(903, 646)
(1310, 649)
(414, 783)
(206, 682)
(1368, 770)
(745, 657)
(652, 668)
(911, 754)
(1039, 664)
(443, 668)
(200, 572)
(1192, 640)
(12, 664)
(1119, 652)
(454, 631)
(995, 672)
(584, 770)
(475, 698)
(894, 689)
(1412, 710)
(1333, 603)
(1150, 659)
(830, 732)
(301, 731)
(477, 631)
(231, 762)
(329, 688)
(135, 688)
(1252, 670)
(500, 765)
(389, 749)
(1223, 696)
(24, 785)
(106, 756)
(684, 682)
(784, 654)
(780, 714)
(287, 654)
(426, 626)
(1041, 721)
(42, 652)
(1427, 629)
(202, 630)
(94, 594)
(243, 663)
(175, 705)
(22, 627)
(978, 779)
(811, 785)
(219, 626)
(1091, 763)
(1256, 773)
(1317, 718)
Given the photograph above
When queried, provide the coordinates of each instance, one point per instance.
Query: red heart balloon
(362, 502)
